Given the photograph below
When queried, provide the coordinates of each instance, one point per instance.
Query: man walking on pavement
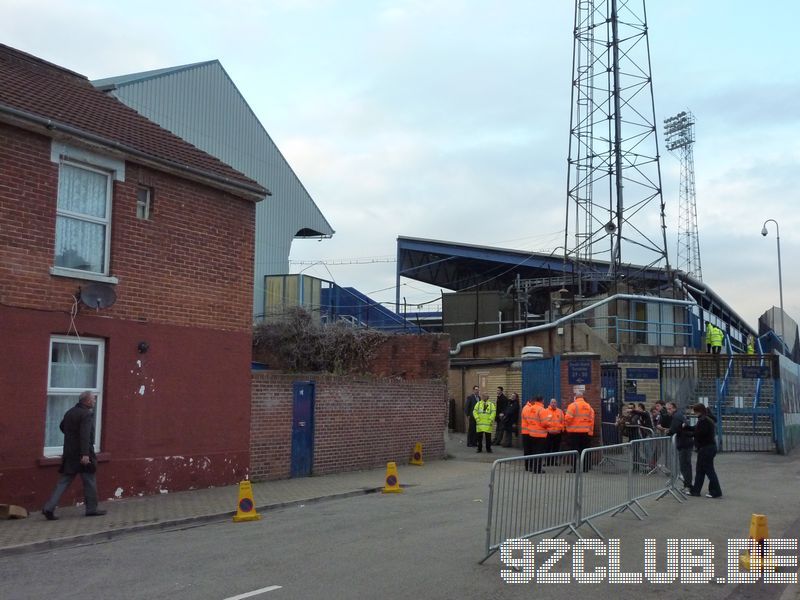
(500, 405)
(579, 421)
(78, 457)
(469, 409)
(484, 417)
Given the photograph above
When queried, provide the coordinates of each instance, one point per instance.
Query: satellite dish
(98, 295)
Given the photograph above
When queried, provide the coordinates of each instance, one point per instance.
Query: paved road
(424, 543)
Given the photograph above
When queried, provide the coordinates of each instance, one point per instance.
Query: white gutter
(567, 318)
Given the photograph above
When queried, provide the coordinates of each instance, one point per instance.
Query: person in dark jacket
(684, 442)
(78, 457)
(500, 403)
(705, 443)
(508, 421)
(469, 407)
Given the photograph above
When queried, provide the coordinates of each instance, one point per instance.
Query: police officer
(484, 414)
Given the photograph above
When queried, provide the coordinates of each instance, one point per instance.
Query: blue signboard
(579, 372)
(640, 373)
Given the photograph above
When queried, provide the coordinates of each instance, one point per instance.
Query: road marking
(255, 592)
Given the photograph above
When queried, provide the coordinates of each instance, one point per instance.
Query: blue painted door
(302, 428)
(541, 377)
(609, 403)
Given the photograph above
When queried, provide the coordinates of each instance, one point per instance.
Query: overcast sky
(449, 119)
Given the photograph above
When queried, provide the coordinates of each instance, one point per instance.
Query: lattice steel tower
(614, 176)
(679, 137)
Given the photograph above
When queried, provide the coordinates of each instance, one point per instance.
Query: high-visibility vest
(717, 337)
(751, 345)
(536, 427)
(579, 417)
(553, 419)
(484, 413)
(709, 333)
(528, 416)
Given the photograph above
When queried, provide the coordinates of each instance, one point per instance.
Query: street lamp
(780, 278)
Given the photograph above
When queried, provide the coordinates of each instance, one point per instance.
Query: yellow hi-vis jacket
(484, 416)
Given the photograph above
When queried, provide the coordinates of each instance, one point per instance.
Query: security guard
(553, 418)
(709, 336)
(530, 429)
(751, 345)
(717, 338)
(484, 419)
(579, 421)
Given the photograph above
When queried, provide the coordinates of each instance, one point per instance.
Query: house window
(75, 366)
(144, 199)
(83, 217)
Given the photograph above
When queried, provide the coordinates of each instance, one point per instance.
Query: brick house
(94, 194)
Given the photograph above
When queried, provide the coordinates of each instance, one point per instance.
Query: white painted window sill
(78, 274)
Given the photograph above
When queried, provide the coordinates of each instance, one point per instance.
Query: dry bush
(297, 344)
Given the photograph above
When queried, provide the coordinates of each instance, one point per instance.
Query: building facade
(125, 268)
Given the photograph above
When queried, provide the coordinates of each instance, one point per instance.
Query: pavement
(194, 507)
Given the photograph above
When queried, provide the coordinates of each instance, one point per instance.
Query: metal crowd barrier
(603, 483)
(533, 495)
(530, 496)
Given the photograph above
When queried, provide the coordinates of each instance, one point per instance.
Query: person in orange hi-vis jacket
(534, 434)
(579, 421)
(553, 419)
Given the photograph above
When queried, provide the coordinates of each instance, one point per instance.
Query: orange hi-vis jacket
(553, 419)
(579, 417)
(532, 424)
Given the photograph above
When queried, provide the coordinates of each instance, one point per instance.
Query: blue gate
(541, 377)
(609, 403)
(302, 428)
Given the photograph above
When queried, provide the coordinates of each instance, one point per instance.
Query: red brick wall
(592, 394)
(413, 357)
(359, 423)
(185, 281)
(191, 264)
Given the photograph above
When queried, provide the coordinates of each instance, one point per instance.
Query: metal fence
(533, 495)
(530, 496)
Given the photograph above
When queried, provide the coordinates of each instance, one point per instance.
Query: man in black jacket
(500, 403)
(469, 407)
(705, 442)
(78, 457)
(684, 443)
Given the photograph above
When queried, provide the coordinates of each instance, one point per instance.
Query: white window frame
(146, 205)
(97, 390)
(114, 168)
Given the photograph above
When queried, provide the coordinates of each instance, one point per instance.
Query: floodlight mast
(679, 137)
(613, 168)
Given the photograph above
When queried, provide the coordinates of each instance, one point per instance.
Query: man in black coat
(500, 403)
(684, 442)
(469, 407)
(78, 457)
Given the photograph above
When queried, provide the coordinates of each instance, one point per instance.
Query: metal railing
(526, 499)
(543, 493)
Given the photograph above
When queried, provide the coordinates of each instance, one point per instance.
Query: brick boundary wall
(359, 422)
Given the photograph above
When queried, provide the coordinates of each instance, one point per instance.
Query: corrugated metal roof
(31, 87)
(200, 103)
